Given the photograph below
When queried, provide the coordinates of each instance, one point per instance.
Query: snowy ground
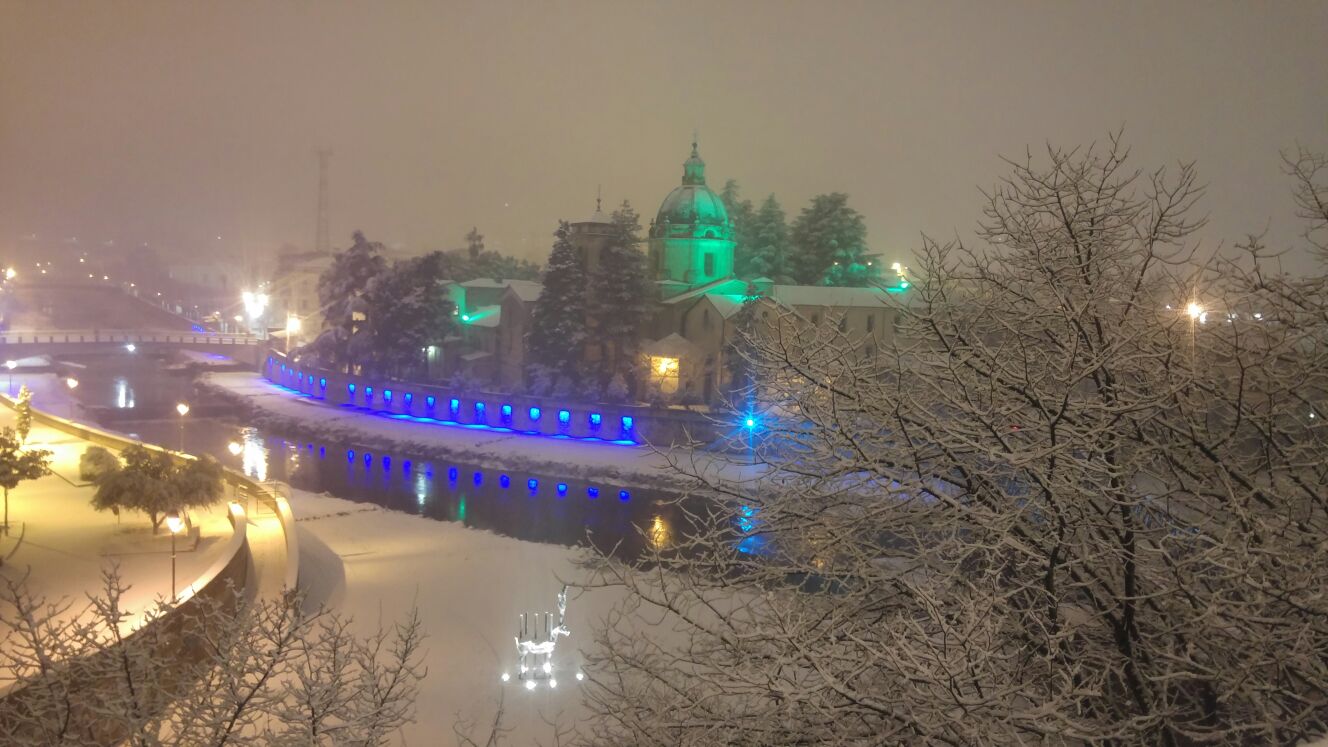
(469, 585)
(60, 546)
(281, 409)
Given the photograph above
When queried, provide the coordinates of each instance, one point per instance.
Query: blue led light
(592, 492)
(387, 463)
(387, 395)
(408, 398)
(300, 376)
(350, 455)
(452, 473)
(534, 413)
(428, 401)
(405, 467)
(623, 495)
(562, 488)
(479, 412)
(322, 382)
(595, 420)
(532, 483)
(368, 458)
(505, 414)
(322, 452)
(454, 406)
(478, 478)
(564, 417)
(504, 480)
(350, 389)
(283, 368)
(627, 423)
(368, 394)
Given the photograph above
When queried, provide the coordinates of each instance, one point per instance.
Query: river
(137, 395)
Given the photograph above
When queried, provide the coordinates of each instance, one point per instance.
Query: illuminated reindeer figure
(536, 655)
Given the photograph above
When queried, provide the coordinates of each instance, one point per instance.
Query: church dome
(692, 209)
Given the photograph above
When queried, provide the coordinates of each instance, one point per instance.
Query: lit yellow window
(664, 371)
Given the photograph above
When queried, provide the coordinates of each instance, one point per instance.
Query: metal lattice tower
(322, 239)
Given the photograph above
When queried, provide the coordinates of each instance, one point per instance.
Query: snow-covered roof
(526, 290)
(822, 295)
(491, 283)
(727, 285)
(477, 355)
(485, 316)
(673, 346)
(726, 304)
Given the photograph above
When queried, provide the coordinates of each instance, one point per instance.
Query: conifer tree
(742, 215)
(619, 299)
(769, 239)
(558, 318)
(23, 412)
(824, 228)
(339, 287)
(850, 268)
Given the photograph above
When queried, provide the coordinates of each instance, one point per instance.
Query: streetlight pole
(11, 365)
(183, 409)
(174, 524)
(72, 383)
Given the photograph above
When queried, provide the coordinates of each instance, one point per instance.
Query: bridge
(15, 344)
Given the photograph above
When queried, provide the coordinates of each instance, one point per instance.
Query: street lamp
(183, 409)
(72, 383)
(234, 448)
(174, 524)
(11, 365)
(292, 326)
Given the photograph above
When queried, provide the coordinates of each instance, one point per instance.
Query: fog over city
(173, 123)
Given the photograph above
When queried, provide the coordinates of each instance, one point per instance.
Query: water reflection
(660, 533)
(253, 454)
(124, 394)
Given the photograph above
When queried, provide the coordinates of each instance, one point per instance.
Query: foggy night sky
(173, 123)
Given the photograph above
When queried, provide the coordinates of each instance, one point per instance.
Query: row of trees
(1060, 510)
(585, 331)
(825, 245)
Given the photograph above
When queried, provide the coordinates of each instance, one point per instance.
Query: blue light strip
(471, 426)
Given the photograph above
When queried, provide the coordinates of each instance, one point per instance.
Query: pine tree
(558, 318)
(474, 244)
(741, 215)
(850, 268)
(619, 302)
(769, 239)
(824, 228)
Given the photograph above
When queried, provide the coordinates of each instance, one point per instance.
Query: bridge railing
(74, 337)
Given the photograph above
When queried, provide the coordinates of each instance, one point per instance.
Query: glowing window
(664, 374)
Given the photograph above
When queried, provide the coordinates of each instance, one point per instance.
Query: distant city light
(131, 347)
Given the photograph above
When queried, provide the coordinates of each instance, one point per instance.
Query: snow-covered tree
(338, 289)
(95, 463)
(768, 236)
(18, 464)
(1066, 506)
(1310, 172)
(222, 669)
(824, 228)
(156, 484)
(620, 300)
(474, 244)
(406, 309)
(850, 267)
(741, 215)
(23, 413)
(558, 318)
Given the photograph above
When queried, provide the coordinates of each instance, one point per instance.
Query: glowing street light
(11, 365)
(131, 347)
(1196, 312)
(72, 383)
(183, 409)
(234, 448)
(10, 273)
(292, 326)
(175, 524)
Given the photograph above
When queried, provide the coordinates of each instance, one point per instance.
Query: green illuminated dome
(692, 210)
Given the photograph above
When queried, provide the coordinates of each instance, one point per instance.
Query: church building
(689, 249)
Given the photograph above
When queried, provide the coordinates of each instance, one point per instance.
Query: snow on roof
(821, 295)
(492, 283)
(526, 290)
(477, 355)
(718, 286)
(673, 346)
(485, 316)
(726, 304)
